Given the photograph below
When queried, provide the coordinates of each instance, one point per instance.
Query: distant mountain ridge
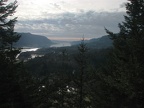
(32, 40)
(98, 43)
(38, 41)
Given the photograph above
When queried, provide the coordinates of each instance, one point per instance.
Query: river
(26, 49)
(61, 44)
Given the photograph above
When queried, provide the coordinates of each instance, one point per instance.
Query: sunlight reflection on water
(29, 49)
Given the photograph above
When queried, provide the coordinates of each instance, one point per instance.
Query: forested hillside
(34, 41)
(80, 76)
(97, 43)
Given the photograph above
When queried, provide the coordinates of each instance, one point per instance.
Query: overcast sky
(69, 19)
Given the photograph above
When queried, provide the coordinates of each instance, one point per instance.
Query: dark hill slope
(31, 40)
(98, 43)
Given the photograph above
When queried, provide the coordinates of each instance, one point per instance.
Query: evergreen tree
(7, 34)
(125, 72)
(10, 92)
(81, 60)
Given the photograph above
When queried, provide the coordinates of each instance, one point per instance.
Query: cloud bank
(69, 19)
(71, 25)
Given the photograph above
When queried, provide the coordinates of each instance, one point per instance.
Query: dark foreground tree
(81, 60)
(10, 92)
(125, 72)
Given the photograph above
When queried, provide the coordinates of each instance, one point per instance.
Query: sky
(69, 19)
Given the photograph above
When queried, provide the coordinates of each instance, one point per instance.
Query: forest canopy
(75, 76)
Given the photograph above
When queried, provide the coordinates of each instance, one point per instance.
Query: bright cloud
(37, 8)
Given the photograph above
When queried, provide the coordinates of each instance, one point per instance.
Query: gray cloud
(72, 25)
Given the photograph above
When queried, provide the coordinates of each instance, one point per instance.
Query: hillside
(32, 40)
(98, 43)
